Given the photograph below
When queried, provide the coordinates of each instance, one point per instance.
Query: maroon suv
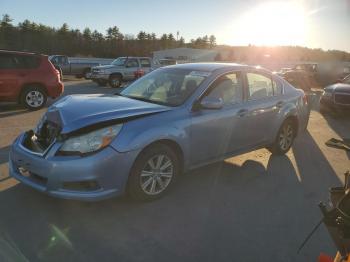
(28, 78)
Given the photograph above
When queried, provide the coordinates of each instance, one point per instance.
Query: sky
(313, 23)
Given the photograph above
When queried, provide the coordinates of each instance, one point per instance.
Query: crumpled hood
(78, 111)
(340, 87)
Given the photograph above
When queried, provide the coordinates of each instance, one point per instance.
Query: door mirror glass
(211, 103)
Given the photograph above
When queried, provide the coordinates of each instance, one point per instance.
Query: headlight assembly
(92, 141)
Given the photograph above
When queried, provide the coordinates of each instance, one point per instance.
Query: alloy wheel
(34, 98)
(156, 174)
(286, 137)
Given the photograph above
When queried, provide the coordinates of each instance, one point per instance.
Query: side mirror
(211, 103)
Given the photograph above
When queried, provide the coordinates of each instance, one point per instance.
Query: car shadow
(11, 109)
(339, 122)
(219, 212)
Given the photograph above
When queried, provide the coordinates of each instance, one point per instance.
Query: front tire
(115, 81)
(285, 138)
(153, 173)
(33, 98)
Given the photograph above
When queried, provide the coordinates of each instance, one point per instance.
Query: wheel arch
(116, 74)
(294, 119)
(31, 84)
(173, 145)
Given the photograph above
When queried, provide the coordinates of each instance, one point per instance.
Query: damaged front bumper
(98, 176)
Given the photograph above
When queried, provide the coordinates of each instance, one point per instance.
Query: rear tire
(284, 139)
(115, 81)
(33, 97)
(153, 173)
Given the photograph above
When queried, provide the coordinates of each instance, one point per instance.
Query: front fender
(129, 140)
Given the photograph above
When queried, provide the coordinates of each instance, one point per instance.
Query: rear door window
(260, 86)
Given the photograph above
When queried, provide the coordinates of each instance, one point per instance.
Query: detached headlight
(92, 141)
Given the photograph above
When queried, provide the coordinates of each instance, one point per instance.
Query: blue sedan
(172, 120)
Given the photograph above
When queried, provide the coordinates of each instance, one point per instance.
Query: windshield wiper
(147, 100)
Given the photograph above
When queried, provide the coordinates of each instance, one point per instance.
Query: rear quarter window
(145, 62)
(27, 61)
(277, 87)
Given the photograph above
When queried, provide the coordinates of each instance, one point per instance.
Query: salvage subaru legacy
(172, 120)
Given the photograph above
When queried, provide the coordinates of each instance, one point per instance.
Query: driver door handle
(242, 112)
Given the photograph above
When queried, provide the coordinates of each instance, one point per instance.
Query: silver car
(172, 120)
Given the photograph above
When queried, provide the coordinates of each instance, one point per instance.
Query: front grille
(343, 99)
(95, 71)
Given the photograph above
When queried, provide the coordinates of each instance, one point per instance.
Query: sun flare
(273, 23)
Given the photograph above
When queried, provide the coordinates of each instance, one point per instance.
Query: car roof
(211, 66)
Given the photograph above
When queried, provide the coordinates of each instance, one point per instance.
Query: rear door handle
(242, 112)
(279, 104)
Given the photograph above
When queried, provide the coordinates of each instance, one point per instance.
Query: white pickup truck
(121, 69)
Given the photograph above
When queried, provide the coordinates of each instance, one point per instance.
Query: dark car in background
(336, 98)
(28, 78)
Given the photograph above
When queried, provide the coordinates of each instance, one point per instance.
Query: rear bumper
(95, 177)
(56, 90)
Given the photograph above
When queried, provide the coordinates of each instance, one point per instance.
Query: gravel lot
(253, 207)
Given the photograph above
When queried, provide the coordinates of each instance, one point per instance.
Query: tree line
(31, 36)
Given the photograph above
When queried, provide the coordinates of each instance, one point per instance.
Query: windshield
(119, 61)
(166, 86)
